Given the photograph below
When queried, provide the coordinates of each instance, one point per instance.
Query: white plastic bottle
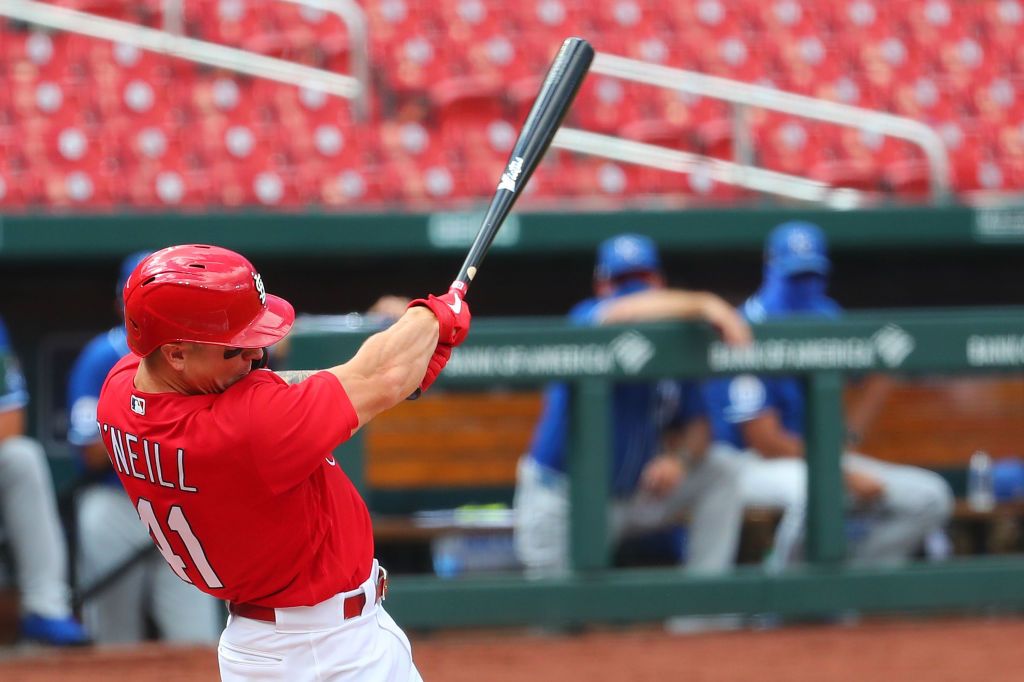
(980, 493)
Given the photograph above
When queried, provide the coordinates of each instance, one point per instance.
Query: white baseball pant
(32, 525)
(915, 502)
(317, 644)
(710, 491)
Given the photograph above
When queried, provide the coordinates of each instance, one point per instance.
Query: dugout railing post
(825, 540)
(589, 461)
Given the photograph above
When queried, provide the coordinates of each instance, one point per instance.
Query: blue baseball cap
(795, 247)
(626, 254)
(1008, 478)
(128, 265)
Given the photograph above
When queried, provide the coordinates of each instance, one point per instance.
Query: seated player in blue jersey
(764, 416)
(109, 532)
(663, 458)
(31, 524)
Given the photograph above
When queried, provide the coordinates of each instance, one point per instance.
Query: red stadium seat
(855, 174)
(129, 61)
(12, 191)
(907, 178)
(303, 28)
(465, 107)
(660, 132)
(454, 80)
(999, 98)
(340, 187)
(605, 104)
(707, 17)
(418, 61)
(169, 186)
(714, 138)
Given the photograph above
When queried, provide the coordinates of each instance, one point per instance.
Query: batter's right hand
(453, 316)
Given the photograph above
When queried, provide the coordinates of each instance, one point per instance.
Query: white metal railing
(728, 172)
(743, 96)
(240, 61)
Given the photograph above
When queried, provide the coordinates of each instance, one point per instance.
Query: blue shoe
(54, 631)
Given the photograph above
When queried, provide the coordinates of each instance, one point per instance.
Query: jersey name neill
(146, 460)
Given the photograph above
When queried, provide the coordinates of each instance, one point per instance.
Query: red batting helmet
(204, 294)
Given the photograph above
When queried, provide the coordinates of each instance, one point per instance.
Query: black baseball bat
(557, 92)
(562, 82)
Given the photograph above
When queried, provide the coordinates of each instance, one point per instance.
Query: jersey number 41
(177, 522)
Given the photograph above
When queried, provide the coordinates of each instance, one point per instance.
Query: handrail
(355, 20)
(750, 177)
(232, 59)
(744, 95)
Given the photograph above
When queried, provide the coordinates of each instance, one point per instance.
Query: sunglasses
(256, 364)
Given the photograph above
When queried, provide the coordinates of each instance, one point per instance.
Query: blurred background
(349, 149)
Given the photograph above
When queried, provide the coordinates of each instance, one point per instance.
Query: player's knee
(932, 499)
(942, 501)
(724, 469)
(22, 459)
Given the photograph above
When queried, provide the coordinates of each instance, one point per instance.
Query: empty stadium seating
(90, 125)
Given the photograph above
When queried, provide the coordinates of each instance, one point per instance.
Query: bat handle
(460, 286)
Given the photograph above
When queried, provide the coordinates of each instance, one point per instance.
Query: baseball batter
(765, 417)
(109, 532)
(230, 467)
(663, 460)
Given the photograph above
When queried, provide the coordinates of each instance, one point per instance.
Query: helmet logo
(260, 289)
(800, 241)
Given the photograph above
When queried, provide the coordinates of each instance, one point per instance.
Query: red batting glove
(437, 362)
(452, 314)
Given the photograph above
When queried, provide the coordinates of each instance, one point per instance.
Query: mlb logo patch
(138, 405)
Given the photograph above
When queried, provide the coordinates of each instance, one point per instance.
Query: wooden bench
(938, 423)
(460, 441)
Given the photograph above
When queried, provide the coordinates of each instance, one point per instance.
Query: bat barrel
(563, 80)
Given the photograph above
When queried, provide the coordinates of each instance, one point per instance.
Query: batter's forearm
(390, 364)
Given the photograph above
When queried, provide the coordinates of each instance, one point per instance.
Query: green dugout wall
(528, 352)
(279, 234)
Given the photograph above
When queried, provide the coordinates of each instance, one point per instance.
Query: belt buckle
(382, 583)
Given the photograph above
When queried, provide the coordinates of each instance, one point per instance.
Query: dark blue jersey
(13, 394)
(85, 381)
(640, 412)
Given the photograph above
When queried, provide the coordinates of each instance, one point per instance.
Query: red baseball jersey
(239, 489)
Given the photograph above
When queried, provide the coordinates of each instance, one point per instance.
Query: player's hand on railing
(730, 325)
(389, 306)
